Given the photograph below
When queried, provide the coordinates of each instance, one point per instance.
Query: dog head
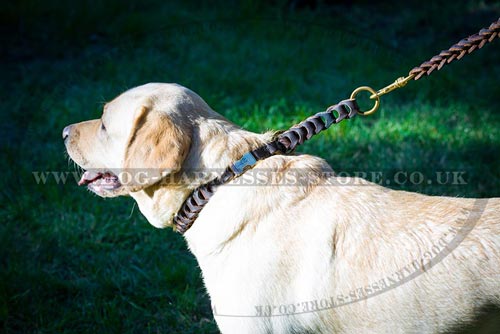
(143, 135)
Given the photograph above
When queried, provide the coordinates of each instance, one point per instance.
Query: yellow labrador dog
(283, 253)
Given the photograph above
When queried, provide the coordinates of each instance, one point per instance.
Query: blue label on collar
(246, 161)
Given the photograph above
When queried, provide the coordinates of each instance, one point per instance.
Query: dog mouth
(100, 182)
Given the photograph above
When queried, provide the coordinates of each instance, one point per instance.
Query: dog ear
(156, 148)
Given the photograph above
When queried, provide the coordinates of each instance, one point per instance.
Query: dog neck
(216, 143)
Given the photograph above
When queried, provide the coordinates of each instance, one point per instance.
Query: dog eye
(103, 128)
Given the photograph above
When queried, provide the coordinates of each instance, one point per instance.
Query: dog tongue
(88, 177)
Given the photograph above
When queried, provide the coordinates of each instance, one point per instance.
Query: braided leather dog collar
(285, 143)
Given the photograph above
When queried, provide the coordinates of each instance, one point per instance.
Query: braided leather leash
(457, 51)
(287, 141)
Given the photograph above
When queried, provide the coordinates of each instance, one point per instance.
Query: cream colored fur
(301, 244)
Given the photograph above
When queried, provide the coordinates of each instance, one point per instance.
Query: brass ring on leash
(373, 93)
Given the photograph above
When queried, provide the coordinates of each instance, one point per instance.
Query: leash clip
(398, 83)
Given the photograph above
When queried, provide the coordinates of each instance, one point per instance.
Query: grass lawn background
(71, 262)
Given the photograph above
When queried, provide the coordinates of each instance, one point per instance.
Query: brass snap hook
(373, 93)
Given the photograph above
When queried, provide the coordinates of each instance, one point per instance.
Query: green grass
(75, 263)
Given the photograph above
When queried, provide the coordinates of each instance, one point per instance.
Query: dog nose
(65, 133)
